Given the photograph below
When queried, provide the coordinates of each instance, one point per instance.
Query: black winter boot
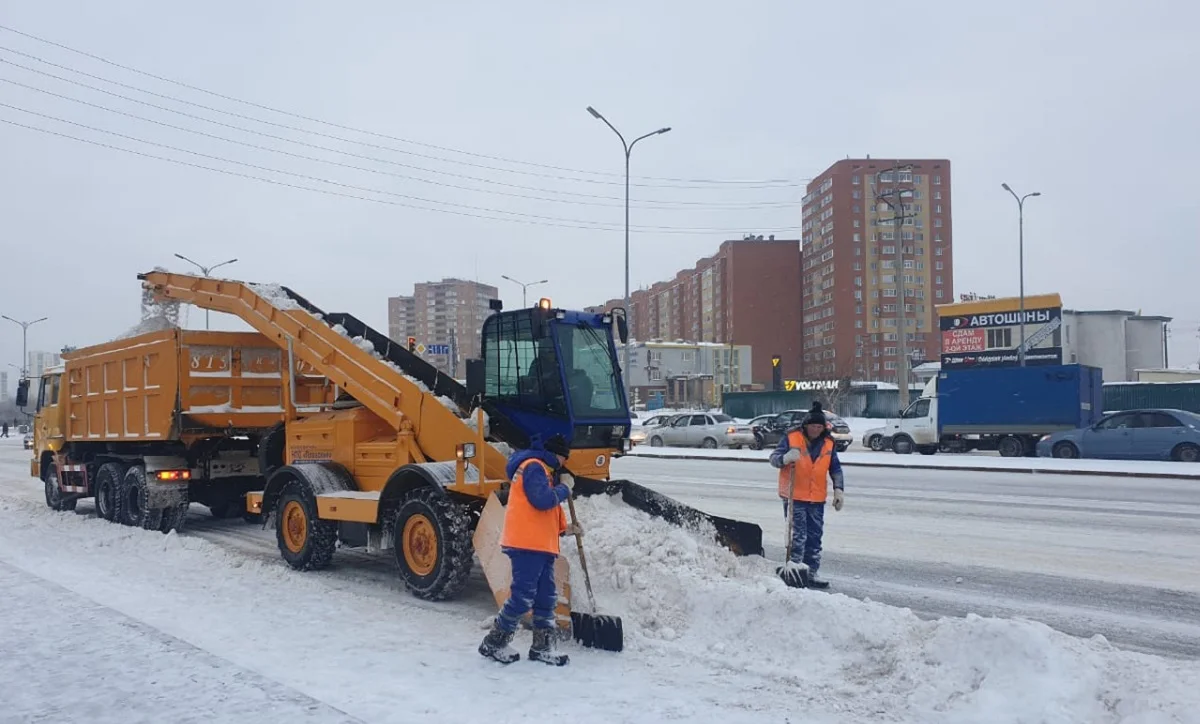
(496, 646)
(543, 648)
(817, 583)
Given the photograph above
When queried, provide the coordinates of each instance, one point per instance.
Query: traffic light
(412, 344)
(776, 373)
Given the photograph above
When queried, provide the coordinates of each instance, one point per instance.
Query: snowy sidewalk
(951, 461)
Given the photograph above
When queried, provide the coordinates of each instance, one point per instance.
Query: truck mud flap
(744, 539)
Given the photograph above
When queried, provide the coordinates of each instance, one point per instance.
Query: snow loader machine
(406, 458)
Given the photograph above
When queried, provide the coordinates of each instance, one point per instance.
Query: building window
(858, 324)
(857, 224)
(916, 178)
(858, 295)
(999, 338)
(937, 209)
(938, 251)
(855, 180)
(938, 294)
(937, 279)
(937, 195)
(937, 180)
(889, 365)
(937, 223)
(856, 194)
(938, 266)
(857, 237)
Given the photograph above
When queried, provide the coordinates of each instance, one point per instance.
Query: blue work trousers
(532, 588)
(808, 525)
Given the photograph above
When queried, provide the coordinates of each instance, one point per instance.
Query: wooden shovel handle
(587, 581)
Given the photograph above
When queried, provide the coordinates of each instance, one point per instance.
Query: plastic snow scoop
(743, 539)
(591, 629)
(794, 575)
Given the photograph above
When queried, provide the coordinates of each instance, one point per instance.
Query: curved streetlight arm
(596, 114)
(191, 261)
(221, 264)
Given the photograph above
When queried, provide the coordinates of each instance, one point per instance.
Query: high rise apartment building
(851, 292)
(445, 317)
(39, 361)
(748, 293)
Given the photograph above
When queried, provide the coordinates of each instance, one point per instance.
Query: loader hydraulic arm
(355, 364)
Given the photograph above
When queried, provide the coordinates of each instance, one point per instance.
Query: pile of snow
(276, 296)
(682, 596)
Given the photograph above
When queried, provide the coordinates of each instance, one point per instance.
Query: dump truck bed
(167, 384)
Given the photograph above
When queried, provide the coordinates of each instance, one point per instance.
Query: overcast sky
(1092, 103)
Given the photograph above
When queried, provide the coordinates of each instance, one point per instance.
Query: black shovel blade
(793, 576)
(598, 632)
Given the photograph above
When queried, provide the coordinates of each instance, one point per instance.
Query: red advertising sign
(959, 341)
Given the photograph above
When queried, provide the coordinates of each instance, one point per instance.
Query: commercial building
(851, 259)
(748, 294)
(445, 318)
(39, 361)
(683, 374)
(987, 333)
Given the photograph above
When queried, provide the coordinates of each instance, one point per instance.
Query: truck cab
(49, 418)
(917, 426)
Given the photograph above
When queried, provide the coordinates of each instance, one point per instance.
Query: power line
(702, 183)
(715, 206)
(538, 219)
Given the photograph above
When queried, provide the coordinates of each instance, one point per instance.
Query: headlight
(1044, 438)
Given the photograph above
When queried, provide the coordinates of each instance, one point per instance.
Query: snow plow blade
(744, 539)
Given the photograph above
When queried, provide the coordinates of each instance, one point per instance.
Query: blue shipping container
(1039, 399)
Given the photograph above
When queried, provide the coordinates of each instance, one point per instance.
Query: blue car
(1130, 435)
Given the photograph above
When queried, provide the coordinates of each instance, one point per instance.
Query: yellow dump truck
(149, 423)
(402, 457)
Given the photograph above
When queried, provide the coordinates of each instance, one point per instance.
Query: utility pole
(895, 201)
(1021, 263)
(628, 150)
(205, 271)
(24, 341)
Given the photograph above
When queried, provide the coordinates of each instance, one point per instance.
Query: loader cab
(554, 371)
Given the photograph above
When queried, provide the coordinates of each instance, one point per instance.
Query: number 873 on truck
(345, 437)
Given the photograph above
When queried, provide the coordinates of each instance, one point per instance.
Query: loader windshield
(592, 381)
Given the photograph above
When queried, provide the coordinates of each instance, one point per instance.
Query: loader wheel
(433, 544)
(108, 486)
(306, 542)
(54, 495)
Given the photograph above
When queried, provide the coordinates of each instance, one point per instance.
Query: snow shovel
(592, 630)
(794, 575)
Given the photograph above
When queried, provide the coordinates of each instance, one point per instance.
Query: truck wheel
(433, 544)
(1011, 447)
(1186, 453)
(306, 542)
(108, 486)
(902, 445)
(928, 449)
(132, 498)
(1065, 450)
(54, 494)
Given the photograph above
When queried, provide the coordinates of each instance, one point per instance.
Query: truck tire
(272, 447)
(1011, 447)
(432, 538)
(55, 499)
(1066, 450)
(305, 541)
(902, 445)
(928, 449)
(108, 486)
(173, 518)
(1186, 453)
(132, 506)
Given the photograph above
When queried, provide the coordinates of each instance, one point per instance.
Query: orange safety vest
(812, 477)
(525, 526)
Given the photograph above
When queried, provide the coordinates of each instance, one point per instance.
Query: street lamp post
(524, 287)
(24, 341)
(205, 271)
(628, 149)
(1021, 262)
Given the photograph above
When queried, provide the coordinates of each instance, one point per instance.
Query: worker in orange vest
(533, 522)
(808, 453)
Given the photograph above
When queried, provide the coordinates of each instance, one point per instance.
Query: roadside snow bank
(681, 595)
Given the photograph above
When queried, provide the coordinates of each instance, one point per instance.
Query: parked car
(768, 434)
(1157, 434)
(701, 430)
(640, 430)
(27, 441)
(876, 439)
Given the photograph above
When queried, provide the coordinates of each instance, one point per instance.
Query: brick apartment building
(850, 294)
(748, 293)
(450, 312)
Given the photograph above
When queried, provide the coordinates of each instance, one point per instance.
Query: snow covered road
(211, 625)
(1085, 554)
